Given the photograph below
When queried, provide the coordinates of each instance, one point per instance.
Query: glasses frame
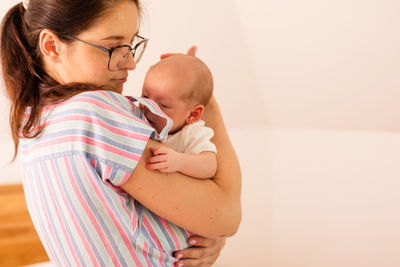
(111, 50)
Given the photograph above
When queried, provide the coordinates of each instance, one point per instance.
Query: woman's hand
(204, 252)
(191, 52)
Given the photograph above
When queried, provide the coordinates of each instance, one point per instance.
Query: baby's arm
(202, 165)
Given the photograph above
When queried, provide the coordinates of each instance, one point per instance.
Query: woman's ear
(50, 45)
(195, 114)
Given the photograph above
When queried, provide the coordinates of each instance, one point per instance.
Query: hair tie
(25, 3)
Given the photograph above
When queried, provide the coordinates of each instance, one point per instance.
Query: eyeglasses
(117, 56)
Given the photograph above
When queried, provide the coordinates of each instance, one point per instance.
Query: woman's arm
(207, 207)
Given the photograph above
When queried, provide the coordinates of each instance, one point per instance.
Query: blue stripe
(79, 219)
(51, 156)
(105, 192)
(132, 232)
(97, 214)
(141, 127)
(42, 222)
(32, 207)
(64, 220)
(86, 133)
(163, 230)
(152, 254)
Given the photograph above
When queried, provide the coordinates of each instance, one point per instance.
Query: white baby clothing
(192, 138)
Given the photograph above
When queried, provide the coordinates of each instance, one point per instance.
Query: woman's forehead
(120, 22)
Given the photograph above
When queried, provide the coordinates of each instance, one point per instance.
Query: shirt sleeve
(109, 130)
(197, 138)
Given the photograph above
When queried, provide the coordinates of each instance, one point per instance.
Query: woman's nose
(129, 64)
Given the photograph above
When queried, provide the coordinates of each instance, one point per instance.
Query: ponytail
(26, 81)
(18, 71)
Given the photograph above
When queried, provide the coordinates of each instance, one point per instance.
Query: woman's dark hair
(27, 84)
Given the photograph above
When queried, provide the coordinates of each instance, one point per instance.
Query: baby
(181, 85)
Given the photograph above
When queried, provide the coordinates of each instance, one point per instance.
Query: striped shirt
(71, 177)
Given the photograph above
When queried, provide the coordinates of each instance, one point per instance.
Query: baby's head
(182, 86)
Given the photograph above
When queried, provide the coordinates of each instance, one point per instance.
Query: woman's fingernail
(179, 256)
(192, 242)
(180, 264)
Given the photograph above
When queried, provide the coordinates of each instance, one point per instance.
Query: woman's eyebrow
(114, 37)
(117, 37)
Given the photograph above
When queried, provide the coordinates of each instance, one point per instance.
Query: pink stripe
(49, 226)
(93, 163)
(117, 190)
(90, 100)
(146, 253)
(161, 259)
(152, 233)
(123, 205)
(127, 175)
(170, 232)
(94, 120)
(155, 239)
(36, 218)
(90, 215)
(60, 220)
(78, 228)
(106, 94)
(110, 212)
(88, 141)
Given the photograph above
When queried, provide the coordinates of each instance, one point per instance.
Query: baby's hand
(165, 160)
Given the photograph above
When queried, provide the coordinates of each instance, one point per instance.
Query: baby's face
(166, 91)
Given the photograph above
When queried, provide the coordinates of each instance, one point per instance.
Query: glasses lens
(119, 57)
(139, 49)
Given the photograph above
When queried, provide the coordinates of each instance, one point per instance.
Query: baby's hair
(201, 86)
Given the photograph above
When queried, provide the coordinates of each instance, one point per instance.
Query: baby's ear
(195, 114)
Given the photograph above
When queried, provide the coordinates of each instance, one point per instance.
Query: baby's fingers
(158, 151)
(157, 166)
(157, 159)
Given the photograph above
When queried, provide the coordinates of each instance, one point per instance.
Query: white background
(310, 92)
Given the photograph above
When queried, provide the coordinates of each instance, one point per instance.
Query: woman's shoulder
(101, 107)
(102, 99)
(96, 102)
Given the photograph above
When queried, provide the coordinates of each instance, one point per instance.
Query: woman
(84, 146)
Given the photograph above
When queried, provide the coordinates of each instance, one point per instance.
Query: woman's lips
(122, 80)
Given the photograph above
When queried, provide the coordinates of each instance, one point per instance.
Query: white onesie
(192, 138)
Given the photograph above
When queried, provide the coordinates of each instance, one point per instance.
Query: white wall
(317, 198)
(326, 64)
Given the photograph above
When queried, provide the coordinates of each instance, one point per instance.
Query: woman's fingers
(191, 52)
(203, 241)
(194, 253)
(205, 251)
(203, 262)
(168, 55)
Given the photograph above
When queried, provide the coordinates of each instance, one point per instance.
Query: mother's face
(80, 62)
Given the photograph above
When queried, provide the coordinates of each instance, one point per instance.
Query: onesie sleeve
(197, 138)
(109, 130)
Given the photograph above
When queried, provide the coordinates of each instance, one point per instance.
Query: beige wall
(326, 64)
(317, 198)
